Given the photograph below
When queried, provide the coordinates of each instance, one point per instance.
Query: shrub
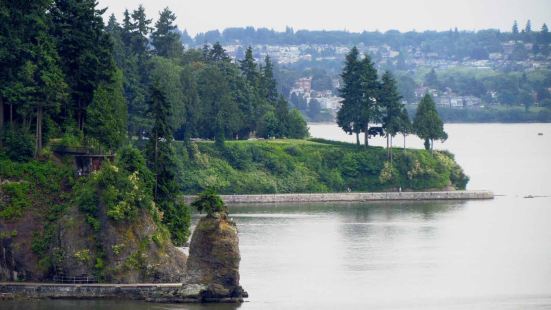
(16, 198)
(209, 202)
(18, 144)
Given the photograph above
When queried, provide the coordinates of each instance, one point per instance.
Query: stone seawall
(164, 293)
(354, 197)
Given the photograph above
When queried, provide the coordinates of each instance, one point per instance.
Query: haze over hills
(461, 69)
(404, 15)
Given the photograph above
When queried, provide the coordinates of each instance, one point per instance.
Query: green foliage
(83, 256)
(291, 166)
(85, 51)
(30, 185)
(348, 116)
(107, 114)
(165, 39)
(210, 202)
(162, 161)
(16, 198)
(427, 123)
(389, 98)
(18, 144)
(121, 192)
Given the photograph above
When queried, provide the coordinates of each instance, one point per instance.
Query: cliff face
(130, 252)
(213, 263)
(54, 226)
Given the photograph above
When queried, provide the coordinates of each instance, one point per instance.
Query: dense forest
(498, 68)
(65, 73)
(70, 82)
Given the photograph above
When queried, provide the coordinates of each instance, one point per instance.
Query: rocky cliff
(53, 228)
(214, 258)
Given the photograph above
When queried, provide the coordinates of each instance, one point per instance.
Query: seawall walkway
(354, 197)
(152, 292)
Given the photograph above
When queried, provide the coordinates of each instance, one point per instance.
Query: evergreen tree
(128, 28)
(369, 110)
(166, 73)
(107, 115)
(427, 123)
(218, 53)
(249, 68)
(282, 115)
(389, 99)
(85, 51)
(31, 76)
(514, 30)
(191, 104)
(269, 84)
(544, 37)
(405, 124)
(135, 66)
(140, 30)
(162, 162)
(528, 28)
(348, 116)
(115, 31)
(165, 38)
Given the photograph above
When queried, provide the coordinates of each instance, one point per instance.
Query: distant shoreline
(354, 197)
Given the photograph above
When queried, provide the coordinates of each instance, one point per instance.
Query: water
(412, 255)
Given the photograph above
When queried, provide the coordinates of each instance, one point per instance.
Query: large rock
(214, 258)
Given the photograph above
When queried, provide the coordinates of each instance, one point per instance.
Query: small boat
(540, 133)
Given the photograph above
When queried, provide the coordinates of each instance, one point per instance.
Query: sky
(353, 15)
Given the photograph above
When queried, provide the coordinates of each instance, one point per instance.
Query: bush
(16, 198)
(209, 202)
(18, 144)
(291, 166)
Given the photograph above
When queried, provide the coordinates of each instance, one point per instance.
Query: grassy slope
(287, 166)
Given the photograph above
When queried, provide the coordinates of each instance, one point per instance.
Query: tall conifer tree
(348, 117)
(162, 162)
(389, 99)
(164, 38)
(85, 51)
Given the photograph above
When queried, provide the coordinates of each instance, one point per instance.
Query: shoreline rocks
(211, 274)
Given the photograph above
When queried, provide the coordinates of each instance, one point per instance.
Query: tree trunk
(1, 119)
(391, 157)
(404, 142)
(366, 135)
(387, 147)
(156, 165)
(39, 113)
(1, 113)
(11, 115)
(358, 139)
(79, 115)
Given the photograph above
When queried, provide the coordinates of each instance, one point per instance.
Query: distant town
(473, 70)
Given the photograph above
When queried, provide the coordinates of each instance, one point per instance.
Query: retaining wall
(172, 293)
(352, 197)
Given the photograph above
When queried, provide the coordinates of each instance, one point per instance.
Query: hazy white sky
(353, 15)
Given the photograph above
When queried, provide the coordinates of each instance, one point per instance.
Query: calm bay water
(412, 255)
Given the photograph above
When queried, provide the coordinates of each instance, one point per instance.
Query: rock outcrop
(212, 268)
